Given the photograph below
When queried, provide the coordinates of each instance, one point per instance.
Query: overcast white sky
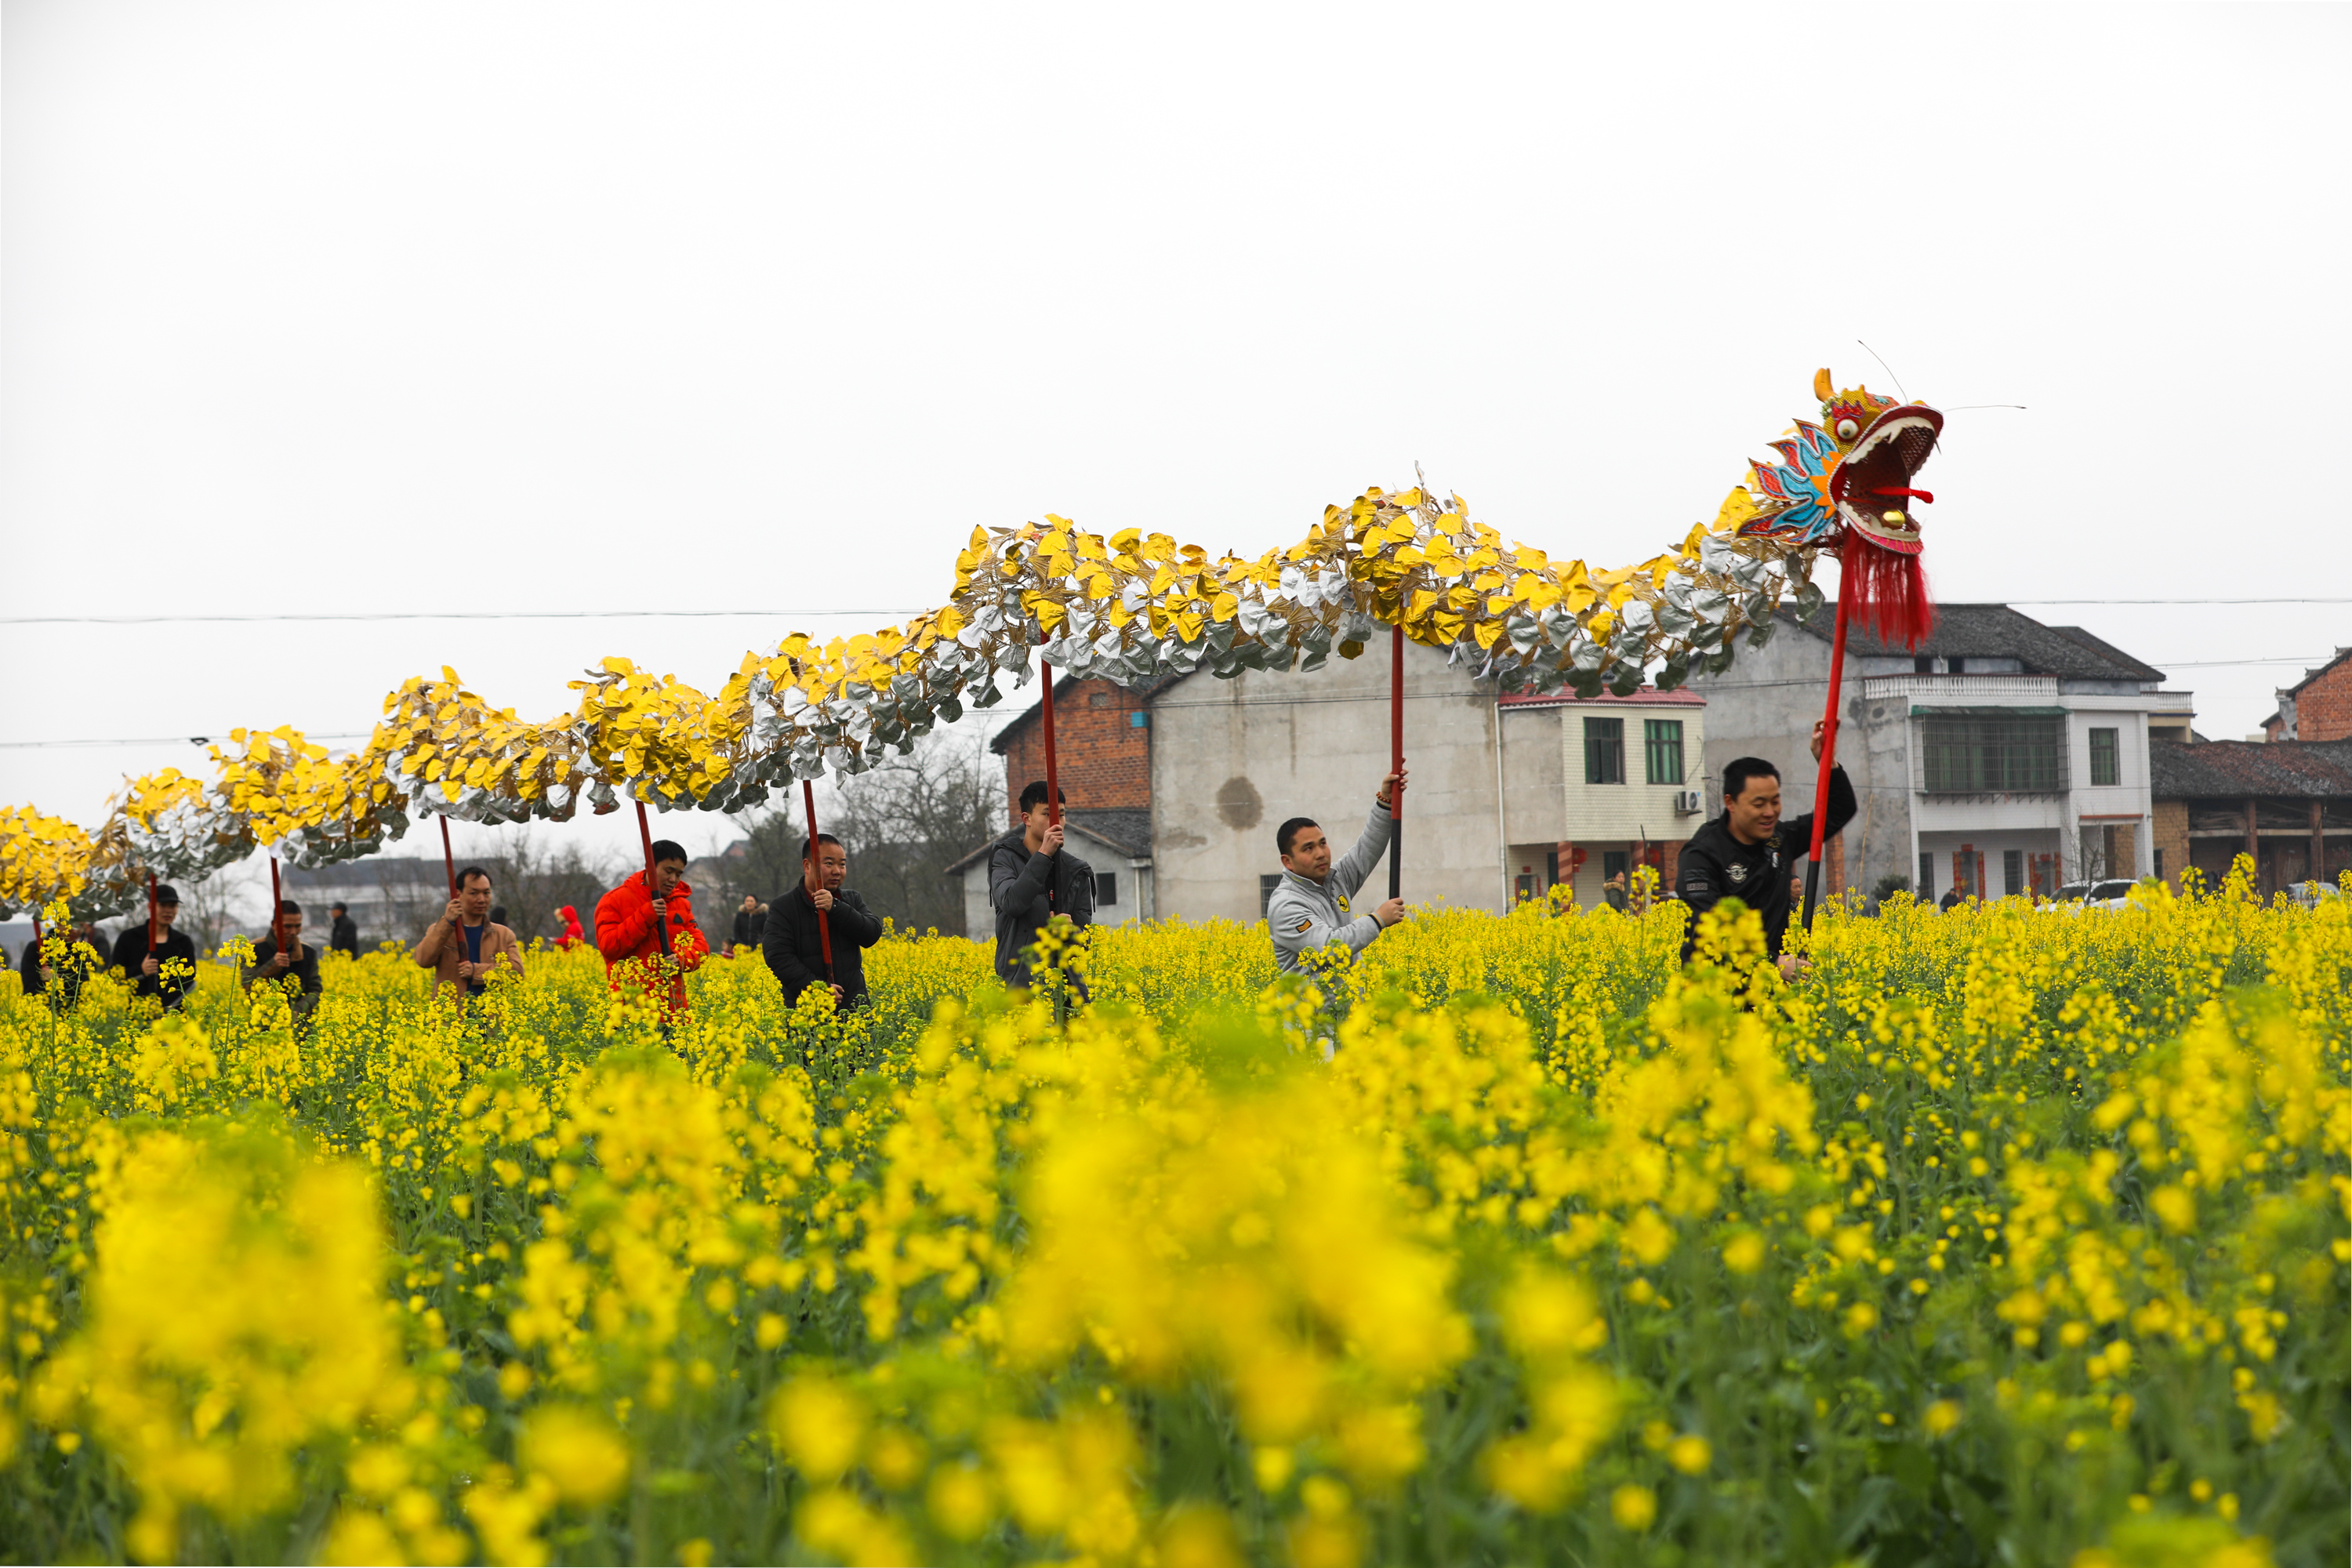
(374, 308)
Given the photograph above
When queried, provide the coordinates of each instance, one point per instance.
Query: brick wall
(2172, 839)
(2322, 710)
(1103, 758)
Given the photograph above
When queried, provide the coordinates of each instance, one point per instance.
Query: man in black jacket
(299, 960)
(342, 935)
(170, 971)
(1032, 877)
(1748, 852)
(84, 956)
(750, 923)
(789, 941)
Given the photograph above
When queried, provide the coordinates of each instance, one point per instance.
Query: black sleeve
(1698, 882)
(1081, 909)
(128, 952)
(29, 969)
(1797, 833)
(854, 920)
(783, 961)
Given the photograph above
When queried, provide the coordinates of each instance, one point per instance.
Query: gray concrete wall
(1231, 759)
(1765, 706)
(1535, 784)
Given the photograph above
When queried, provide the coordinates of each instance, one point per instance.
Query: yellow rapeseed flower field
(2002, 1236)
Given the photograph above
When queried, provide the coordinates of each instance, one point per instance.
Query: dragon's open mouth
(1873, 486)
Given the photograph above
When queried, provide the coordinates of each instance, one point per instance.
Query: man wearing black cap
(170, 971)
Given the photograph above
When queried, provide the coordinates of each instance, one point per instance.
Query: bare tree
(903, 823)
(211, 908)
(533, 881)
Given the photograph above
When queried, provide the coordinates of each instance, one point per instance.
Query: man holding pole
(1309, 909)
(282, 954)
(1750, 853)
(799, 954)
(645, 930)
(464, 945)
(162, 960)
(1032, 877)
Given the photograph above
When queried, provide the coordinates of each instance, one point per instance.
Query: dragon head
(1881, 445)
(1845, 484)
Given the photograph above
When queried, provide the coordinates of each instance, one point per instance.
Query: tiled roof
(2309, 676)
(2238, 769)
(1643, 697)
(1996, 631)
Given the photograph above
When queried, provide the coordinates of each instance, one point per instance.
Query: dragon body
(1127, 607)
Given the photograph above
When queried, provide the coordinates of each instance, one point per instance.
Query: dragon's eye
(1847, 429)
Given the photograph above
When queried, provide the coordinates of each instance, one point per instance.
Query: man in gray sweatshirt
(1032, 878)
(1309, 907)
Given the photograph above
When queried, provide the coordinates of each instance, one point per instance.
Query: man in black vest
(1748, 852)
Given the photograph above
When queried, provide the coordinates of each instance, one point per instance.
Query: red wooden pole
(448, 857)
(1396, 757)
(816, 865)
(151, 932)
(645, 835)
(278, 911)
(1829, 747)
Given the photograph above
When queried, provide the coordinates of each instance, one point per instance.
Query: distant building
(2319, 707)
(1187, 779)
(2288, 804)
(1615, 782)
(393, 898)
(1102, 734)
(2003, 756)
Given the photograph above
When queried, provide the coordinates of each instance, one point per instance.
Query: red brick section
(1103, 758)
(2322, 709)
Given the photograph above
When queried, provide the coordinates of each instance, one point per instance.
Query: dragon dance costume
(1126, 609)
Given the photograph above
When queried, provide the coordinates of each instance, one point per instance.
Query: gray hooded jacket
(1026, 891)
(1304, 915)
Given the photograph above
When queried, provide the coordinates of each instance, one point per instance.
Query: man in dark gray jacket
(1032, 878)
(1309, 908)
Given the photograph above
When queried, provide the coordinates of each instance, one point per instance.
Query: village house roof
(1995, 631)
(2238, 769)
(1643, 697)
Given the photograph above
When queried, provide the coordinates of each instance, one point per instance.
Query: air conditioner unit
(1689, 803)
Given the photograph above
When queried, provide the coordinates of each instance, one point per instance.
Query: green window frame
(2106, 757)
(1662, 750)
(1604, 751)
(1983, 755)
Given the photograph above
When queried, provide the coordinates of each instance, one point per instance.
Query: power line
(446, 615)
(2289, 601)
(159, 741)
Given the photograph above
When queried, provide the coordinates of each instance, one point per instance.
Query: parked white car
(2076, 897)
(2311, 894)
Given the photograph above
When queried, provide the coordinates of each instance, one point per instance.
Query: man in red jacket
(627, 920)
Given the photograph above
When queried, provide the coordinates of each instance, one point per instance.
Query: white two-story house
(2003, 756)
